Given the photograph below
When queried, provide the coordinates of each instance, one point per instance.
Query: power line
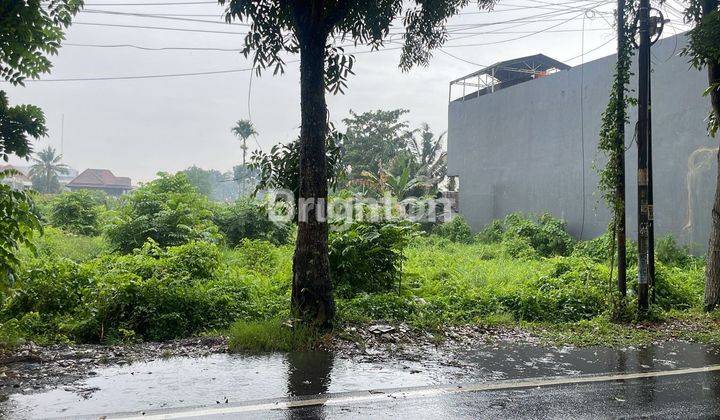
(516, 38)
(149, 76)
(142, 47)
(171, 3)
(162, 28)
(153, 16)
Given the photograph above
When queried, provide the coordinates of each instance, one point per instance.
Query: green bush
(492, 233)
(457, 230)
(256, 255)
(168, 210)
(677, 287)
(367, 257)
(545, 234)
(247, 218)
(669, 252)
(598, 249)
(76, 212)
(47, 286)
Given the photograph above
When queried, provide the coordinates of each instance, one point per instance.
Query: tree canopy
(318, 30)
(374, 139)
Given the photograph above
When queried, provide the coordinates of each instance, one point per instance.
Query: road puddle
(229, 379)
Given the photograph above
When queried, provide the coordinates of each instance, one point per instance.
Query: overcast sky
(139, 127)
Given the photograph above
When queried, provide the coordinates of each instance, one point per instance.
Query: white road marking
(420, 392)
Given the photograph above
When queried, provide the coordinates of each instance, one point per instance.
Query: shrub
(168, 210)
(546, 234)
(247, 218)
(519, 247)
(457, 230)
(598, 249)
(159, 294)
(669, 252)
(256, 255)
(367, 257)
(76, 212)
(677, 287)
(492, 233)
(48, 287)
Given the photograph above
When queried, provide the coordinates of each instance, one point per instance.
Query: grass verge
(273, 335)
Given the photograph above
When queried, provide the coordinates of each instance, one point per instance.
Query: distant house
(17, 181)
(101, 180)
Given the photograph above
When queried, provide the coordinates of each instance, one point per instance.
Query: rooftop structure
(505, 74)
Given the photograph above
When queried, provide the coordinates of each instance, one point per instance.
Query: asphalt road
(683, 393)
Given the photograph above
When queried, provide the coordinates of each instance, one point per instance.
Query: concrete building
(532, 146)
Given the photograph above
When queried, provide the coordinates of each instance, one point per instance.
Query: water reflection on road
(222, 379)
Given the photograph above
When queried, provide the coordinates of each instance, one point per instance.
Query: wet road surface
(229, 381)
(683, 396)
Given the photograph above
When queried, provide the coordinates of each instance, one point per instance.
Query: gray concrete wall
(533, 148)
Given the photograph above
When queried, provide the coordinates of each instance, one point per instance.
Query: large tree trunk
(312, 297)
(712, 272)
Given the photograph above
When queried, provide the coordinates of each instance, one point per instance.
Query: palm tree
(243, 129)
(44, 172)
(429, 155)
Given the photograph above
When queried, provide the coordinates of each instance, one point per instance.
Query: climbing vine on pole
(612, 139)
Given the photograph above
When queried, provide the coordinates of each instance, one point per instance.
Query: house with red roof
(101, 180)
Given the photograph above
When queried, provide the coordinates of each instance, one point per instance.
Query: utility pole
(644, 207)
(651, 204)
(620, 198)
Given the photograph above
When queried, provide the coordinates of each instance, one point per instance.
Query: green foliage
(247, 218)
(280, 169)
(55, 243)
(20, 220)
(669, 252)
(367, 257)
(201, 179)
(545, 235)
(48, 287)
(271, 335)
(373, 140)
(612, 140)
(283, 27)
(29, 32)
(76, 212)
(255, 255)
(456, 230)
(492, 233)
(381, 152)
(429, 156)
(703, 50)
(599, 249)
(168, 210)
(678, 287)
(17, 125)
(45, 170)
(400, 186)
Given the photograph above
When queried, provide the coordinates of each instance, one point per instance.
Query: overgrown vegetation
(520, 269)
